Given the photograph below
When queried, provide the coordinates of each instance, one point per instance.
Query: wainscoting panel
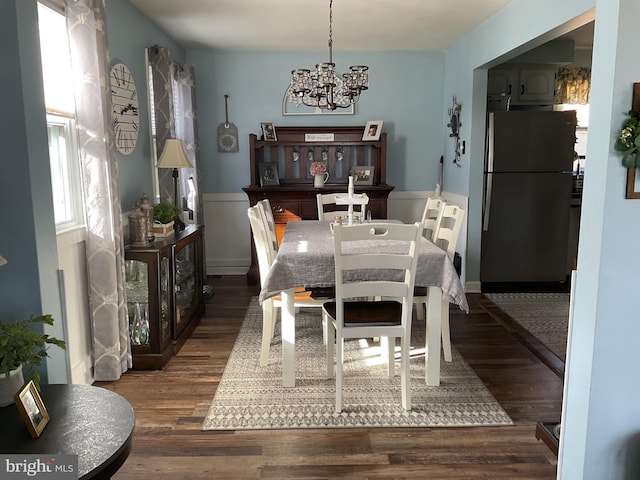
(227, 234)
(73, 272)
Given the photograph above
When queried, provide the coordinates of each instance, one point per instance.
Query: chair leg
(339, 360)
(268, 321)
(329, 333)
(446, 333)
(421, 309)
(325, 327)
(391, 354)
(405, 377)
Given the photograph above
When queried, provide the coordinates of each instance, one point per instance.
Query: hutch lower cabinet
(164, 282)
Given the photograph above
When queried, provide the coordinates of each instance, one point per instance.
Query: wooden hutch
(340, 148)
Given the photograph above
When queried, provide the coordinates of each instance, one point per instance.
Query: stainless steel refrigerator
(527, 195)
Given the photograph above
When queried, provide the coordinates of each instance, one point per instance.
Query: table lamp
(3, 261)
(174, 156)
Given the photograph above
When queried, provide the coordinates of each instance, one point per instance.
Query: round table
(91, 422)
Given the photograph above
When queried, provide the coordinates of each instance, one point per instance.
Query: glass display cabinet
(164, 283)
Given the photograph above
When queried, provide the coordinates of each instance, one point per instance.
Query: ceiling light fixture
(322, 88)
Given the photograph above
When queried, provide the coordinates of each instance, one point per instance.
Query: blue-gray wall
(129, 33)
(406, 92)
(601, 423)
(28, 283)
(601, 420)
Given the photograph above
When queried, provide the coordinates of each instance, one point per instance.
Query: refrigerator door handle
(490, 142)
(487, 202)
(489, 176)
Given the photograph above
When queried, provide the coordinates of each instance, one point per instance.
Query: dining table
(306, 258)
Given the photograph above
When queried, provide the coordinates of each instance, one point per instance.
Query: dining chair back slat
(270, 225)
(431, 216)
(324, 200)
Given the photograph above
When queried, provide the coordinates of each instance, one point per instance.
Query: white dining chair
(355, 313)
(329, 200)
(266, 253)
(431, 215)
(446, 237)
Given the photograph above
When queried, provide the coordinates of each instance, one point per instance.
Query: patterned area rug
(544, 315)
(252, 397)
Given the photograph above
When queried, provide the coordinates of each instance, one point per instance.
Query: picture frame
(268, 132)
(363, 175)
(633, 184)
(32, 409)
(633, 179)
(268, 174)
(372, 130)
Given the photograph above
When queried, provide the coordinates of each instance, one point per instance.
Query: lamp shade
(3, 261)
(173, 155)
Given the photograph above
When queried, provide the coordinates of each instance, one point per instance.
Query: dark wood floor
(170, 406)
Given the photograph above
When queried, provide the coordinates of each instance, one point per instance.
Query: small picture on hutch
(362, 175)
(372, 130)
(268, 174)
(268, 132)
(32, 409)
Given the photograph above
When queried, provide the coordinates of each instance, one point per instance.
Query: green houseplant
(22, 347)
(628, 141)
(165, 212)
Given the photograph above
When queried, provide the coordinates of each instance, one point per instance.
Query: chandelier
(321, 88)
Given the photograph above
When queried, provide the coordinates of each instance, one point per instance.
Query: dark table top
(91, 422)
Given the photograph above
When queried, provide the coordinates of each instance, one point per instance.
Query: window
(61, 127)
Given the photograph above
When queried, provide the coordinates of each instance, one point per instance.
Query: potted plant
(164, 214)
(22, 347)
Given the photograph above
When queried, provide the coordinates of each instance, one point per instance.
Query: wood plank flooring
(170, 406)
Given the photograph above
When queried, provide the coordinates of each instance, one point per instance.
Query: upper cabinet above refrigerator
(521, 85)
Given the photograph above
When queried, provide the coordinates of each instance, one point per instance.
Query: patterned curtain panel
(175, 117)
(161, 66)
(99, 169)
(574, 85)
(187, 131)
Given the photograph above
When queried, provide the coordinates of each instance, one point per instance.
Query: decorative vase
(320, 180)
(10, 385)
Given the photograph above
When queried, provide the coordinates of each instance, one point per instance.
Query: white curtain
(99, 169)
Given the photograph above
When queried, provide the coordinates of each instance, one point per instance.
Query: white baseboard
(473, 287)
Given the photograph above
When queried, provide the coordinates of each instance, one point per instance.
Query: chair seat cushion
(385, 313)
(420, 291)
(299, 295)
(322, 293)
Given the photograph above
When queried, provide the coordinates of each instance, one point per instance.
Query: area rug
(544, 315)
(252, 397)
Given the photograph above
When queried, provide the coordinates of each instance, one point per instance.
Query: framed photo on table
(362, 175)
(268, 174)
(32, 409)
(268, 132)
(372, 130)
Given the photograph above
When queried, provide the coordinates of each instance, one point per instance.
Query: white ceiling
(287, 25)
